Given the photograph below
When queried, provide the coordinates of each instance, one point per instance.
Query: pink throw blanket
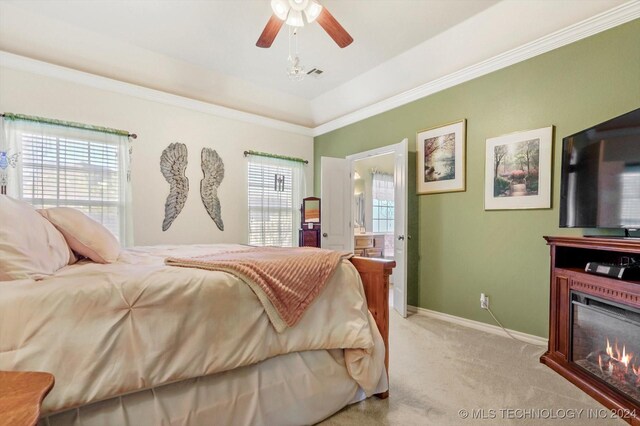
(286, 280)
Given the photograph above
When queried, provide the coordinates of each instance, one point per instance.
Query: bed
(137, 342)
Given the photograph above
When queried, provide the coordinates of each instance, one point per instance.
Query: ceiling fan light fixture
(312, 11)
(298, 4)
(295, 18)
(280, 8)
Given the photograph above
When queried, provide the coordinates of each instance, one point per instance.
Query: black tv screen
(601, 175)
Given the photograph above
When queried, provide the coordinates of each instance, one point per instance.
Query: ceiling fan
(290, 12)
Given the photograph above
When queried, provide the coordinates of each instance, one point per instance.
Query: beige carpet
(438, 368)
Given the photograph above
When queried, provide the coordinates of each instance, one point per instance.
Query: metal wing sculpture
(213, 170)
(173, 163)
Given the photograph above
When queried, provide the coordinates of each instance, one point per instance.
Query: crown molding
(609, 19)
(22, 63)
(598, 23)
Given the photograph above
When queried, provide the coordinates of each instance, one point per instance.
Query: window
(383, 214)
(67, 167)
(276, 190)
(383, 207)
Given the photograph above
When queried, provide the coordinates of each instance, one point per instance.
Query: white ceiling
(206, 50)
(221, 35)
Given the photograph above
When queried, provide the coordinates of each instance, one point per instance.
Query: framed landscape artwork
(518, 170)
(441, 159)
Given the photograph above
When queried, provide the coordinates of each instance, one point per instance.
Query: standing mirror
(311, 210)
(310, 222)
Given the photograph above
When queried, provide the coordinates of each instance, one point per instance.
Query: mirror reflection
(373, 206)
(312, 211)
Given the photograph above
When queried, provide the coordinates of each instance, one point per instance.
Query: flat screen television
(601, 175)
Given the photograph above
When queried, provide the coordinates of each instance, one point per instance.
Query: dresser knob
(325, 235)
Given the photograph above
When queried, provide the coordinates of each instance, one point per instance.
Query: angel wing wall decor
(173, 163)
(213, 171)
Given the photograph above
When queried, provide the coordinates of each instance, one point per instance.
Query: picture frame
(441, 158)
(518, 170)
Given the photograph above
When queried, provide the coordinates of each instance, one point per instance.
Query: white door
(335, 202)
(400, 231)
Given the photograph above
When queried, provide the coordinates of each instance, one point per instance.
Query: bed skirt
(294, 389)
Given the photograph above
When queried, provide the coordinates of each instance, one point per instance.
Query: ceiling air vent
(315, 72)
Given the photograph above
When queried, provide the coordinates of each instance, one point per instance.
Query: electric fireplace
(605, 342)
(594, 322)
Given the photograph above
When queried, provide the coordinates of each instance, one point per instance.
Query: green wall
(458, 250)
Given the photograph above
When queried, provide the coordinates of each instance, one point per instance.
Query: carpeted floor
(437, 369)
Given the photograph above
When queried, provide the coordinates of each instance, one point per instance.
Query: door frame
(398, 149)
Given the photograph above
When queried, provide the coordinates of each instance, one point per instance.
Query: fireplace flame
(626, 359)
(613, 363)
(600, 362)
(619, 362)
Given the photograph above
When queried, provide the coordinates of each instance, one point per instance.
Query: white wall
(158, 125)
(65, 44)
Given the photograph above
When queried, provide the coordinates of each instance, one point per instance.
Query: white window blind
(61, 166)
(276, 189)
(72, 173)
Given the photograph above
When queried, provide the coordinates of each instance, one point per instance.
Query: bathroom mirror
(358, 213)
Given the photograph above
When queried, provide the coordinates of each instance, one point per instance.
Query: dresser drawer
(374, 252)
(309, 238)
(359, 252)
(363, 241)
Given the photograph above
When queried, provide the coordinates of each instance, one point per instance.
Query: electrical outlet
(484, 301)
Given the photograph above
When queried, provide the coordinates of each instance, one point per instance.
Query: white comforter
(107, 330)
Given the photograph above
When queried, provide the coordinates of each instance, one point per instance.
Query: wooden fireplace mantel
(569, 256)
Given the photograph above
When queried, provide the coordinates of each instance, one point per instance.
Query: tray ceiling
(206, 49)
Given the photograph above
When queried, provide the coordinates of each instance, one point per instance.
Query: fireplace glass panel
(606, 342)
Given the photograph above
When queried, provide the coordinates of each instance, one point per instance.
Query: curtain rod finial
(133, 136)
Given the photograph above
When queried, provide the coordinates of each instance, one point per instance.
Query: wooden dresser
(369, 245)
(310, 225)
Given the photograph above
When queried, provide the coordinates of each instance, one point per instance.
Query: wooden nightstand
(21, 393)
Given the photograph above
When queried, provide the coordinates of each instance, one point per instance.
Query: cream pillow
(84, 235)
(30, 247)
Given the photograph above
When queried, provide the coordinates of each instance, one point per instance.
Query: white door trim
(389, 149)
(398, 149)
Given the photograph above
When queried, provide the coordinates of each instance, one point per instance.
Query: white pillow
(84, 235)
(30, 247)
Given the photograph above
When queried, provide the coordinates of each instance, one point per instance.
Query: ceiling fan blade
(270, 32)
(334, 29)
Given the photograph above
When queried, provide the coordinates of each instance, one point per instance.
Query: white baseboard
(488, 328)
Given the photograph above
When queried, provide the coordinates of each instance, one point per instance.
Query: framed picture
(441, 159)
(518, 170)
